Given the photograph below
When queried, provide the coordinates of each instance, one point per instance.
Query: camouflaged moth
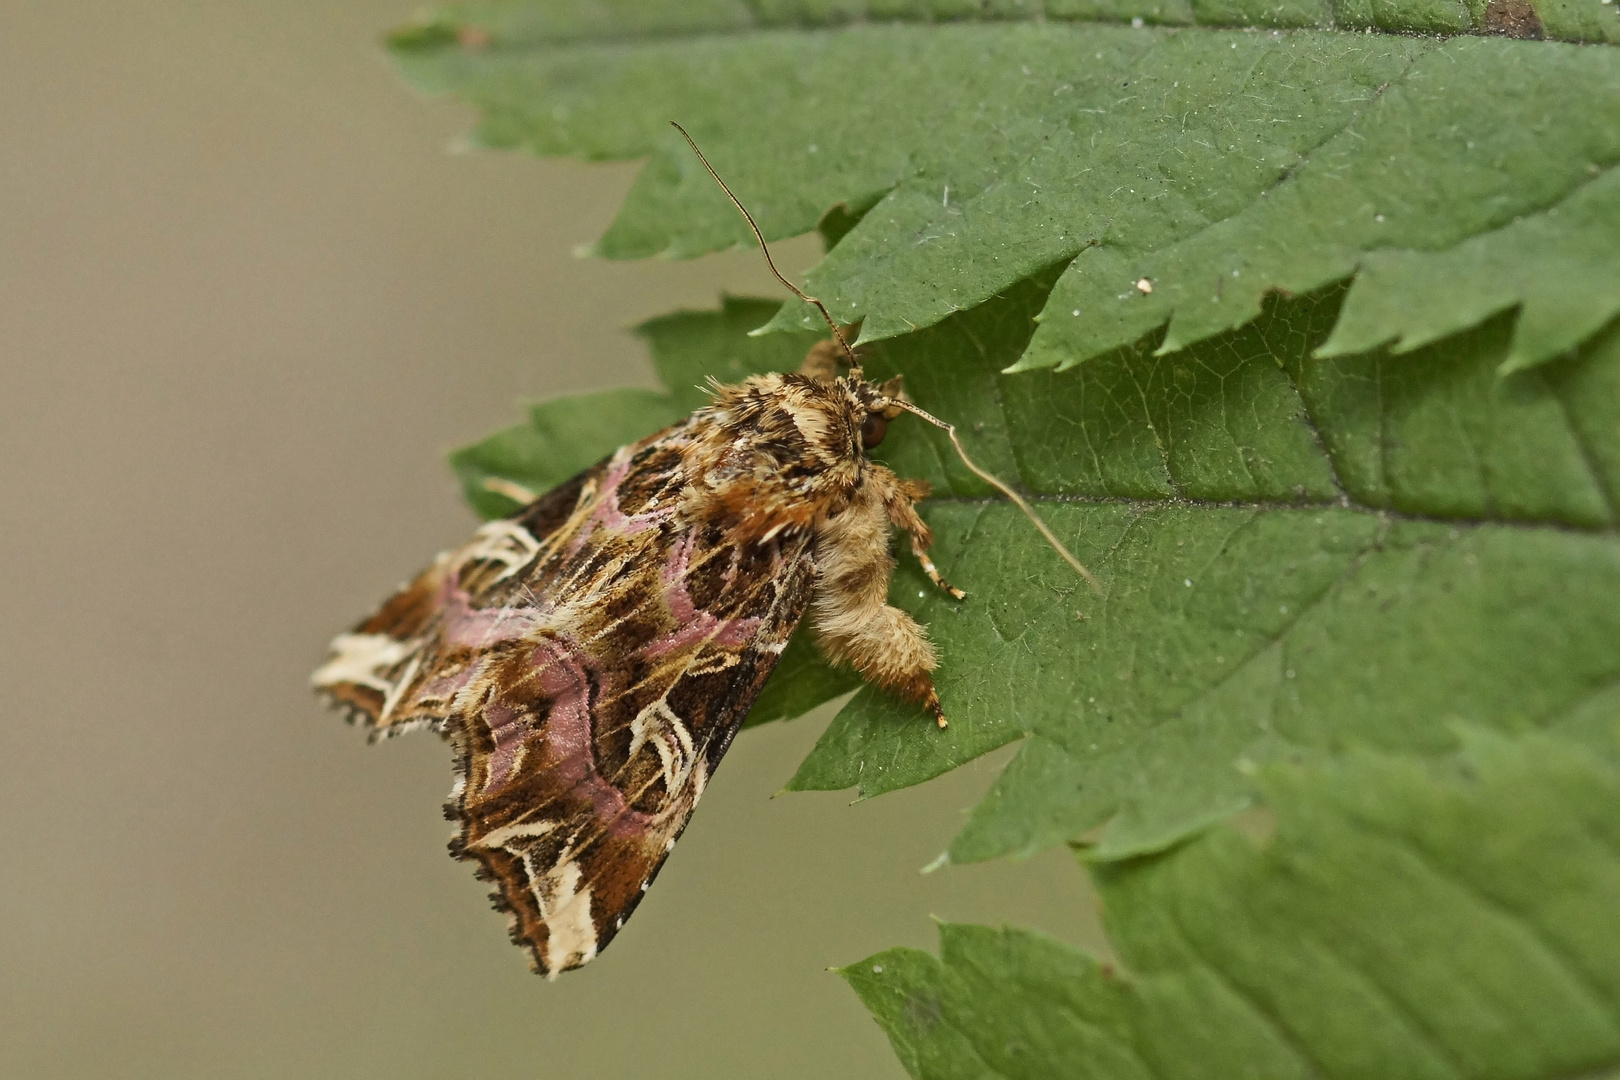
(592, 656)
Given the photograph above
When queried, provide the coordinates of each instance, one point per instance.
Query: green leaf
(1452, 174)
(1528, 262)
(978, 147)
(1409, 918)
(1305, 341)
(1299, 554)
(1306, 544)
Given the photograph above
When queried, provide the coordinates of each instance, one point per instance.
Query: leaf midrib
(1346, 503)
(521, 46)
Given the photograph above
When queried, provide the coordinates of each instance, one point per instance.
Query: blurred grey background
(247, 301)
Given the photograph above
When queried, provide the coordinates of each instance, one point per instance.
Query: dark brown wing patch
(373, 664)
(592, 658)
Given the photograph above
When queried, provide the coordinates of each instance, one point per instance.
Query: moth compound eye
(873, 428)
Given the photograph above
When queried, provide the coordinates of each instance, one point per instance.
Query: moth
(592, 656)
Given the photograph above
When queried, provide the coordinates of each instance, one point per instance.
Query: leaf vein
(1261, 1010)
(1477, 893)
(1539, 525)
(1588, 460)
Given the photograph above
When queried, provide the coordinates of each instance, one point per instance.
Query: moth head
(841, 420)
(874, 406)
(870, 407)
(795, 426)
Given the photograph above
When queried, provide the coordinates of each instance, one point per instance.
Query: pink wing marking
(696, 625)
(468, 627)
(565, 747)
(606, 512)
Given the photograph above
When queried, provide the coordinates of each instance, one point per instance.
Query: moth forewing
(592, 656)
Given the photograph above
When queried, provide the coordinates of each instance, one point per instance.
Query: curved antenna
(854, 362)
(991, 479)
(855, 367)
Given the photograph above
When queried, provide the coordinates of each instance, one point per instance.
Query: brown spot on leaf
(1258, 824)
(1513, 18)
(923, 1013)
(473, 38)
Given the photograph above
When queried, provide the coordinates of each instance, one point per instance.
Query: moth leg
(932, 571)
(900, 503)
(854, 623)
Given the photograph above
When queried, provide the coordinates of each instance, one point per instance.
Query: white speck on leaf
(1136, 23)
(1187, 582)
(877, 969)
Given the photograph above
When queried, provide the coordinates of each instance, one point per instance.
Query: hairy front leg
(899, 499)
(854, 623)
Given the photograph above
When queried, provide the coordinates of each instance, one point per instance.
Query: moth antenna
(854, 363)
(855, 368)
(995, 482)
